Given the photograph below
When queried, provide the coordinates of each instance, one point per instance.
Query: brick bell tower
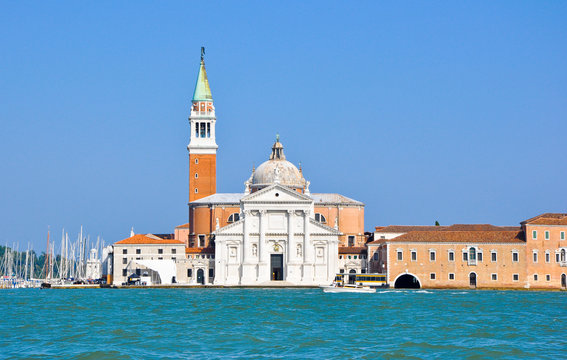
(202, 146)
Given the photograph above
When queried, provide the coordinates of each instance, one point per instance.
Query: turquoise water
(281, 323)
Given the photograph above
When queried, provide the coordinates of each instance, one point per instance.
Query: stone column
(291, 250)
(262, 238)
(307, 250)
(263, 272)
(246, 240)
(249, 276)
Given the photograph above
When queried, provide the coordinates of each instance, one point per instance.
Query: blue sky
(448, 111)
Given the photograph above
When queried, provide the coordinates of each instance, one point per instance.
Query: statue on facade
(299, 250)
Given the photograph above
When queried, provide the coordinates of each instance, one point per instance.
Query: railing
(202, 113)
(472, 262)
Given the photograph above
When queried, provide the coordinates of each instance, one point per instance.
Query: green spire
(202, 88)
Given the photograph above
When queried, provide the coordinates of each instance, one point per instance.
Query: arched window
(563, 255)
(320, 218)
(472, 254)
(233, 218)
(196, 175)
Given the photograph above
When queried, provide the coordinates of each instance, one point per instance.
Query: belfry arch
(407, 281)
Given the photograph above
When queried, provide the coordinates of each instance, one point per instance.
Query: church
(276, 230)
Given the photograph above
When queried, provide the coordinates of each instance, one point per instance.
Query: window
(320, 218)
(451, 276)
(413, 255)
(174, 251)
(479, 256)
(472, 254)
(535, 256)
(138, 251)
(351, 240)
(547, 257)
(349, 257)
(535, 277)
(160, 258)
(340, 256)
(124, 251)
(189, 273)
(160, 251)
(124, 272)
(546, 235)
(451, 255)
(515, 256)
(493, 256)
(562, 255)
(196, 176)
(124, 261)
(355, 256)
(534, 234)
(208, 130)
(465, 256)
(202, 134)
(556, 257)
(376, 256)
(211, 274)
(432, 276)
(196, 191)
(173, 258)
(494, 277)
(196, 161)
(547, 277)
(432, 255)
(400, 255)
(233, 218)
(201, 240)
(516, 277)
(562, 235)
(138, 272)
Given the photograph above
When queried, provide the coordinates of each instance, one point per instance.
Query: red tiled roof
(207, 250)
(444, 236)
(547, 219)
(455, 227)
(406, 228)
(352, 250)
(183, 226)
(147, 239)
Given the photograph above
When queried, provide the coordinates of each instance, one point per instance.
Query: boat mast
(47, 257)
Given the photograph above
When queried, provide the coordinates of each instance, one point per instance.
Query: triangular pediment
(276, 193)
(317, 227)
(234, 228)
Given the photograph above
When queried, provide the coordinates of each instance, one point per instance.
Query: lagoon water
(281, 323)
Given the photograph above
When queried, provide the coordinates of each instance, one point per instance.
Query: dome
(277, 170)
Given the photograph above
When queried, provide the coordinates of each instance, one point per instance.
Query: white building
(277, 237)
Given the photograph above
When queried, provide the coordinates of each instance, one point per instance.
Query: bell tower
(202, 146)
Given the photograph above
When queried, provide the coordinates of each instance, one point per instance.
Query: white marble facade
(276, 239)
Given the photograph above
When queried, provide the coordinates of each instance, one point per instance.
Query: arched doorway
(200, 277)
(352, 278)
(407, 281)
(563, 281)
(472, 280)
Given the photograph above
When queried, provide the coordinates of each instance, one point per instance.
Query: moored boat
(348, 288)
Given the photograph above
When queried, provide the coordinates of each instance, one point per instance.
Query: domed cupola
(277, 170)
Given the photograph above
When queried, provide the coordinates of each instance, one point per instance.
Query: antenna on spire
(202, 53)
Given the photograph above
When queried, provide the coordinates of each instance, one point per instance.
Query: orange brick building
(476, 256)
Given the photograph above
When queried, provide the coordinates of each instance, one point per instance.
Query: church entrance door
(276, 261)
